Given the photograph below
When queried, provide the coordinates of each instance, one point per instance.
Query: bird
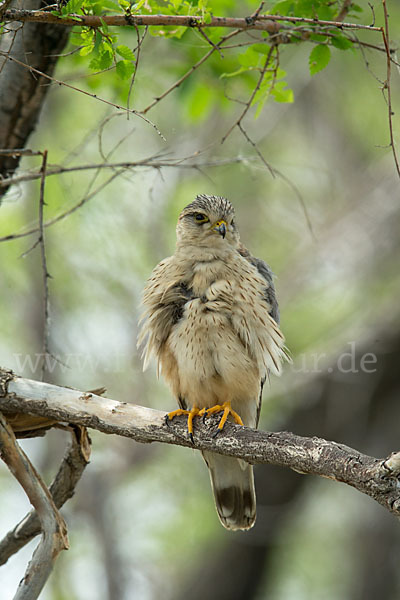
(211, 320)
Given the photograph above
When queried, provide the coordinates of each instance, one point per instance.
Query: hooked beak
(220, 227)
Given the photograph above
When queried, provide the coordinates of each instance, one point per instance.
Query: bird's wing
(164, 297)
(270, 297)
(266, 273)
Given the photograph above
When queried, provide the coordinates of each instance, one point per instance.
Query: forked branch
(54, 532)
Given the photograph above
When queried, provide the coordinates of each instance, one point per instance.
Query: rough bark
(22, 92)
(375, 477)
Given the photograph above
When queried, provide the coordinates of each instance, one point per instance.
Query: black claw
(167, 419)
(216, 433)
(204, 417)
(191, 438)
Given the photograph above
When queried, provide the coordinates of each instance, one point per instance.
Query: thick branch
(21, 93)
(261, 22)
(54, 533)
(61, 490)
(374, 477)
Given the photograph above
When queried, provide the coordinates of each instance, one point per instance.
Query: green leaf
(250, 58)
(125, 52)
(109, 4)
(199, 102)
(72, 6)
(284, 8)
(341, 42)
(319, 58)
(125, 69)
(138, 5)
(262, 48)
(233, 73)
(75, 39)
(281, 94)
(86, 50)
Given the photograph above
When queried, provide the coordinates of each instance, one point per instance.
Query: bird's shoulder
(263, 270)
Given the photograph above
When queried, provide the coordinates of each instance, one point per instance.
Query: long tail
(232, 482)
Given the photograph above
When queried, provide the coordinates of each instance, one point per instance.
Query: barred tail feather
(232, 482)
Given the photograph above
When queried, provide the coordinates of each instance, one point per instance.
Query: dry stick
(190, 71)
(375, 477)
(272, 170)
(122, 165)
(15, 236)
(4, 7)
(274, 173)
(62, 489)
(387, 86)
(259, 22)
(117, 106)
(147, 163)
(205, 36)
(140, 41)
(54, 538)
(20, 152)
(46, 274)
(344, 10)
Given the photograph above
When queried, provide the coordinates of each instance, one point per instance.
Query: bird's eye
(200, 218)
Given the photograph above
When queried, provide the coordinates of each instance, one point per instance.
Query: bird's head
(209, 222)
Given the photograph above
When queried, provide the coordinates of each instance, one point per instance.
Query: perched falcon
(211, 320)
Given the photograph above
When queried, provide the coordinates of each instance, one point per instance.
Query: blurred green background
(142, 524)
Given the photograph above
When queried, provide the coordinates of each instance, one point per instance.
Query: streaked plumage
(211, 321)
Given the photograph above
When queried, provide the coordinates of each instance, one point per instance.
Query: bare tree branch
(54, 538)
(375, 477)
(259, 22)
(62, 489)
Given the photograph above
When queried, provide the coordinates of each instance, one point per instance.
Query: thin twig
(117, 106)
(344, 10)
(147, 163)
(54, 532)
(387, 85)
(190, 71)
(86, 198)
(140, 41)
(254, 92)
(209, 41)
(45, 272)
(275, 173)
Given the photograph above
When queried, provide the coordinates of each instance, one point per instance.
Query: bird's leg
(227, 410)
(190, 415)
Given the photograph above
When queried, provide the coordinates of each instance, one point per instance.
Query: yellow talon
(228, 410)
(190, 415)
